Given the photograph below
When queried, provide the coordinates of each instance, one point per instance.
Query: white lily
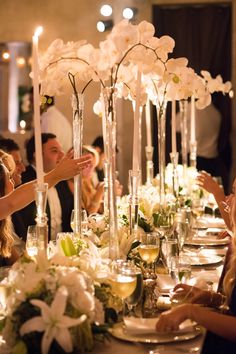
(53, 322)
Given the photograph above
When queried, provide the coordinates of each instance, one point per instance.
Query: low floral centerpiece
(52, 306)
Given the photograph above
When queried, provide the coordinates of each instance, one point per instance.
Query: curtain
(202, 33)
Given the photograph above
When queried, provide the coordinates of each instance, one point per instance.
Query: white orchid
(53, 322)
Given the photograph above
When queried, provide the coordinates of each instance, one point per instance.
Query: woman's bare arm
(24, 194)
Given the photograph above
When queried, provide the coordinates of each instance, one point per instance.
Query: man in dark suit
(57, 209)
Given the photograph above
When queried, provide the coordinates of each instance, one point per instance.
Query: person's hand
(69, 167)
(207, 182)
(170, 320)
(192, 294)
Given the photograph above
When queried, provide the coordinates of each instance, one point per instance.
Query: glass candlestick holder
(41, 217)
(149, 164)
(193, 154)
(174, 157)
(134, 177)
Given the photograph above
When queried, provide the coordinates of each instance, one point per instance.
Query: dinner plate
(209, 222)
(201, 260)
(207, 241)
(119, 332)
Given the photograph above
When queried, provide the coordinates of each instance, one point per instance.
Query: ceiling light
(129, 12)
(106, 10)
(5, 55)
(103, 26)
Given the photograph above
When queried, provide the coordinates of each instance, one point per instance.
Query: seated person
(207, 182)
(92, 197)
(8, 254)
(222, 326)
(57, 210)
(98, 145)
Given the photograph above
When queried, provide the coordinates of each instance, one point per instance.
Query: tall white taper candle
(37, 127)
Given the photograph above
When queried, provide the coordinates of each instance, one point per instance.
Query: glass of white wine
(123, 283)
(32, 241)
(149, 251)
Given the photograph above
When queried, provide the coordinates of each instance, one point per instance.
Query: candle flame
(38, 31)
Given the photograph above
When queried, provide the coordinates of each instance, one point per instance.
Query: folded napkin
(135, 326)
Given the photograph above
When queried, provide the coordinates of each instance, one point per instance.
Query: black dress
(215, 344)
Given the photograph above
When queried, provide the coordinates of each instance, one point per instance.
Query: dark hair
(98, 142)
(30, 145)
(8, 145)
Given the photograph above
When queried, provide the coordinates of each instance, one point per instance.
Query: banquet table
(116, 346)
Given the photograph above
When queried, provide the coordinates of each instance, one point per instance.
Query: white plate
(201, 260)
(209, 222)
(207, 241)
(118, 332)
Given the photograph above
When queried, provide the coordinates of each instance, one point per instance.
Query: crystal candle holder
(134, 180)
(41, 217)
(149, 164)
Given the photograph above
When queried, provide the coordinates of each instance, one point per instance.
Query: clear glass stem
(41, 217)
(134, 181)
(193, 154)
(149, 164)
(175, 183)
(78, 114)
(161, 121)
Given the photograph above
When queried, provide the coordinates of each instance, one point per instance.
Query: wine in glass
(123, 284)
(32, 241)
(133, 300)
(149, 251)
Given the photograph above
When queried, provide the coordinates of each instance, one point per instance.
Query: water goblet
(170, 249)
(149, 251)
(180, 269)
(31, 241)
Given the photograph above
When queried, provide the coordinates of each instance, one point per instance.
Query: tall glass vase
(161, 122)
(78, 117)
(41, 216)
(110, 147)
(184, 137)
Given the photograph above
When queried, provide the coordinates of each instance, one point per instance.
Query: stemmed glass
(149, 251)
(133, 300)
(181, 229)
(123, 283)
(31, 241)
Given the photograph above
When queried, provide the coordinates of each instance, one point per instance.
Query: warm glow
(231, 93)
(101, 26)
(6, 55)
(20, 61)
(38, 31)
(106, 10)
(128, 13)
(22, 124)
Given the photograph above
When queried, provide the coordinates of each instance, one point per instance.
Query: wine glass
(181, 229)
(31, 241)
(123, 284)
(170, 249)
(149, 251)
(133, 300)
